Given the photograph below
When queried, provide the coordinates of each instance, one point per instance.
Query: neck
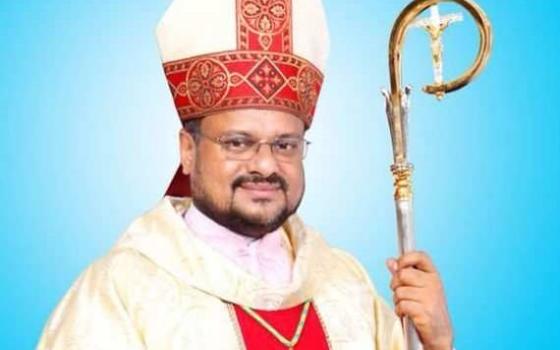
(268, 258)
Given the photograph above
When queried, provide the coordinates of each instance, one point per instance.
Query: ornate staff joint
(402, 175)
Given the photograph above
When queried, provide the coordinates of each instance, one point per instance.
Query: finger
(418, 260)
(411, 309)
(408, 293)
(392, 265)
(409, 277)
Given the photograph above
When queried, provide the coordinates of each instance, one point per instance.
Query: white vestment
(161, 288)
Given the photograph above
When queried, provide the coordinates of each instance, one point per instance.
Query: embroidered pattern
(244, 79)
(266, 78)
(308, 88)
(207, 83)
(265, 16)
(264, 25)
(262, 73)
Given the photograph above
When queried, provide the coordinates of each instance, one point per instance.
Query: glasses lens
(244, 148)
(290, 149)
(238, 147)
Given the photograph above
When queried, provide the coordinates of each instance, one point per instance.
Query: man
(225, 263)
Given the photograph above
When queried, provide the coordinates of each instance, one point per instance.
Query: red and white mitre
(223, 55)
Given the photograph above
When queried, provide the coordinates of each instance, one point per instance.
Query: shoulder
(388, 331)
(108, 274)
(94, 296)
(340, 263)
(352, 265)
(347, 281)
(134, 275)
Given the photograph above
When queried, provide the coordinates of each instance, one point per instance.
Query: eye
(237, 144)
(287, 145)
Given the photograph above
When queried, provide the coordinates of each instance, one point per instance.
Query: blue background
(88, 141)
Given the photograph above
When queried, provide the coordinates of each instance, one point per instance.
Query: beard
(235, 217)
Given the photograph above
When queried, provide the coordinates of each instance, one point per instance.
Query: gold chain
(287, 343)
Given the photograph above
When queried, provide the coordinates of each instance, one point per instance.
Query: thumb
(392, 265)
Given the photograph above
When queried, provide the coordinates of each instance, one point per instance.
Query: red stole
(256, 337)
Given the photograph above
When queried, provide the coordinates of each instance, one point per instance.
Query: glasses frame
(219, 140)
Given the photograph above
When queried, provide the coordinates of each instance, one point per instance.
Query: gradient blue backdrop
(88, 142)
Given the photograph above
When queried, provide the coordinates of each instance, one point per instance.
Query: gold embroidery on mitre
(260, 23)
(308, 86)
(215, 79)
(266, 78)
(207, 83)
(265, 16)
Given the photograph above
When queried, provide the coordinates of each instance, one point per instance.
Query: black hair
(192, 126)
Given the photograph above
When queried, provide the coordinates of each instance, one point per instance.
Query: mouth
(261, 190)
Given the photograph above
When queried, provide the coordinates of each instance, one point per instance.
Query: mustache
(257, 178)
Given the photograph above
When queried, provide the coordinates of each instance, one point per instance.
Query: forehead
(261, 123)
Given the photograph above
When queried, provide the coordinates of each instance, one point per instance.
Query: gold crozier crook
(397, 108)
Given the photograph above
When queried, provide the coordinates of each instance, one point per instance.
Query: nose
(264, 161)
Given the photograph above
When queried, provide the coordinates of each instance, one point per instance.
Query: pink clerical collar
(267, 258)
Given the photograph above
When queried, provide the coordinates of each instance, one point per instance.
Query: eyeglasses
(242, 147)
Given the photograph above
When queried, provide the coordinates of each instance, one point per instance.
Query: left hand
(418, 294)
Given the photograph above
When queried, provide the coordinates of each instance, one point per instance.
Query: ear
(187, 149)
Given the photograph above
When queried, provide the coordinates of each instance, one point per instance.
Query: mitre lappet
(221, 55)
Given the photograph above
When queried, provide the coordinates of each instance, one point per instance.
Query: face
(251, 197)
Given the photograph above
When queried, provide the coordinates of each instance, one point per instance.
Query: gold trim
(327, 338)
(236, 325)
(242, 56)
(189, 112)
(290, 344)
